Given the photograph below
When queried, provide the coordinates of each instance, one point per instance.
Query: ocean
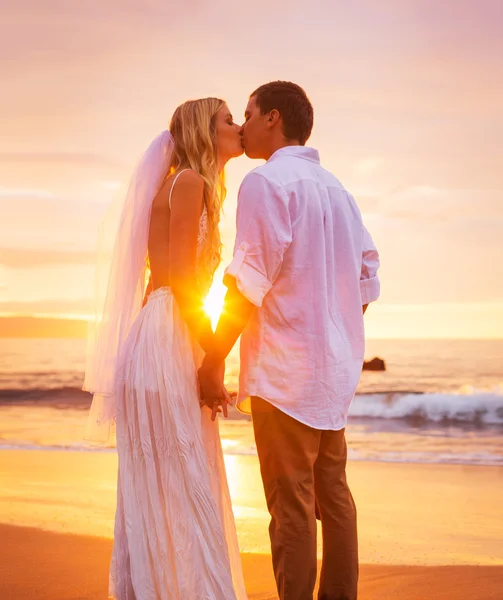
(439, 401)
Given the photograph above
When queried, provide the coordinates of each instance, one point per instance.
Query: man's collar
(298, 151)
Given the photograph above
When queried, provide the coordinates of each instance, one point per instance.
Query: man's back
(303, 256)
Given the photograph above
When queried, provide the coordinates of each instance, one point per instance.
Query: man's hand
(212, 390)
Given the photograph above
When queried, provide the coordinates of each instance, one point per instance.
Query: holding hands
(212, 392)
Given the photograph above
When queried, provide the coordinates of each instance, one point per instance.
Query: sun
(214, 302)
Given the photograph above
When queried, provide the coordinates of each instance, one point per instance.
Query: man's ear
(273, 118)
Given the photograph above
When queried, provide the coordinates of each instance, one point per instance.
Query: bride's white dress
(175, 536)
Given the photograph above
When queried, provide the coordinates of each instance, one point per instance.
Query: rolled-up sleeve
(370, 286)
(263, 233)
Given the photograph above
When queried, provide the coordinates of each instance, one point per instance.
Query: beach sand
(426, 531)
(42, 565)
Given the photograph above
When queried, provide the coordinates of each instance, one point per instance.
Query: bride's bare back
(174, 228)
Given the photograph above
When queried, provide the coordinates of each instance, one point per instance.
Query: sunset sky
(407, 98)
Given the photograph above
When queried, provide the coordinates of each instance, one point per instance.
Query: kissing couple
(303, 272)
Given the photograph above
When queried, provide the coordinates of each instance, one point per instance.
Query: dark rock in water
(376, 364)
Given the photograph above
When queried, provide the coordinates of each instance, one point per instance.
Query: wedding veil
(120, 287)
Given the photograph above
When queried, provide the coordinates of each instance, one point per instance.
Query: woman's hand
(212, 390)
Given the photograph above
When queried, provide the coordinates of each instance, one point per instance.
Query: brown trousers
(302, 467)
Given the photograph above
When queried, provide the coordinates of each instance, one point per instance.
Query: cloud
(61, 158)
(428, 203)
(438, 260)
(76, 307)
(45, 220)
(367, 204)
(27, 192)
(17, 258)
(366, 166)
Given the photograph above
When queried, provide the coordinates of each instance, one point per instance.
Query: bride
(175, 535)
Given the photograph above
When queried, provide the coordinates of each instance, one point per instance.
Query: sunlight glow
(214, 302)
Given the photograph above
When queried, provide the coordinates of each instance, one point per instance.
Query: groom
(303, 273)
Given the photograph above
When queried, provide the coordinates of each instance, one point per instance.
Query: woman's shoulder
(185, 182)
(186, 178)
(185, 188)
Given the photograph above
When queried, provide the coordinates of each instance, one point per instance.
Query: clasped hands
(212, 392)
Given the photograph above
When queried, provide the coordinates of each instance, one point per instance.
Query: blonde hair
(193, 127)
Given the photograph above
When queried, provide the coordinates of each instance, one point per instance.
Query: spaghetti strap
(171, 190)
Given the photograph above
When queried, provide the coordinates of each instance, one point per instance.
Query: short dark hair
(292, 103)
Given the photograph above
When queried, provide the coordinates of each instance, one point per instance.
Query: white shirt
(305, 260)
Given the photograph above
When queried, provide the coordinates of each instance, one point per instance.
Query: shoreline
(351, 459)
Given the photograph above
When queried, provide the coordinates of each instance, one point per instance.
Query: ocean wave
(474, 407)
(429, 458)
(66, 396)
(469, 406)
